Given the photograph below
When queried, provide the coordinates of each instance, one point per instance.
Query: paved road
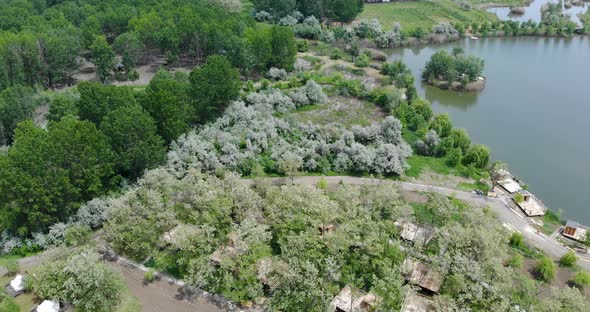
(506, 212)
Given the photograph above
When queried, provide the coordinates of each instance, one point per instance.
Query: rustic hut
(16, 286)
(576, 231)
(530, 204)
(415, 233)
(421, 275)
(353, 299)
(417, 303)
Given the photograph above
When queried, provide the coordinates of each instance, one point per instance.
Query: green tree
(442, 125)
(284, 47)
(47, 174)
(133, 136)
(454, 157)
(16, 105)
(61, 49)
(440, 66)
(130, 47)
(166, 100)
(343, 10)
(478, 155)
(97, 100)
(101, 54)
(213, 86)
(90, 29)
(62, 104)
(82, 280)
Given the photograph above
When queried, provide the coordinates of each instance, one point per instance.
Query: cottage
(228, 250)
(510, 185)
(415, 233)
(170, 236)
(353, 299)
(576, 231)
(530, 204)
(48, 306)
(16, 286)
(417, 303)
(420, 274)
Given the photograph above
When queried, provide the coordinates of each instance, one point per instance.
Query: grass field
(423, 13)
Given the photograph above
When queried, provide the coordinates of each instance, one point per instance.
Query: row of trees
(98, 136)
(338, 10)
(46, 45)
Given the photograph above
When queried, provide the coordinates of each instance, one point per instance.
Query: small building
(576, 231)
(510, 185)
(351, 299)
(415, 233)
(417, 303)
(170, 236)
(16, 286)
(48, 306)
(227, 250)
(421, 275)
(530, 204)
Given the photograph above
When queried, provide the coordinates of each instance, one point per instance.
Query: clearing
(423, 13)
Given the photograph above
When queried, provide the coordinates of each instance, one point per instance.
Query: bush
(77, 235)
(454, 157)
(302, 46)
(276, 74)
(8, 304)
(322, 184)
(149, 276)
(545, 269)
(363, 61)
(568, 260)
(516, 240)
(478, 155)
(582, 279)
(515, 261)
(336, 54)
(11, 266)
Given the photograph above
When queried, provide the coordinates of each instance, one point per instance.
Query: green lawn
(551, 222)
(419, 163)
(425, 14)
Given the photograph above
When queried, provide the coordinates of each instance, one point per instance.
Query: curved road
(508, 214)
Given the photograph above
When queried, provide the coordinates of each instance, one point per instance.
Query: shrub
(515, 261)
(322, 184)
(582, 279)
(478, 155)
(363, 61)
(516, 240)
(315, 93)
(149, 276)
(302, 46)
(77, 235)
(276, 74)
(454, 157)
(568, 260)
(336, 54)
(309, 29)
(545, 269)
(11, 266)
(8, 304)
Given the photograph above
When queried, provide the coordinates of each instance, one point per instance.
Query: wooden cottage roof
(417, 303)
(353, 299)
(415, 233)
(420, 274)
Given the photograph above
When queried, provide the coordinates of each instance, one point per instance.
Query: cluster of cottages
(533, 207)
(524, 199)
(416, 272)
(17, 287)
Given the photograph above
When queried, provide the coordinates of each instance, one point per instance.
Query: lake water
(533, 12)
(534, 112)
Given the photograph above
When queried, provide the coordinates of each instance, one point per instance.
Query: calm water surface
(533, 12)
(534, 112)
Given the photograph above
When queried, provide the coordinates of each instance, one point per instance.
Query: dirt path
(161, 295)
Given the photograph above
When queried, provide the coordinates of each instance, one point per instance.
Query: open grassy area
(419, 163)
(551, 222)
(423, 13)
(345, 110)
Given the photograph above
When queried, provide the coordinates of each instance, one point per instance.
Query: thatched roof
(416, 233)
(420, 274)
(417, 303)
(353, 299)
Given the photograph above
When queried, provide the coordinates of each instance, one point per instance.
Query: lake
(533, 12)
(534, 112)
